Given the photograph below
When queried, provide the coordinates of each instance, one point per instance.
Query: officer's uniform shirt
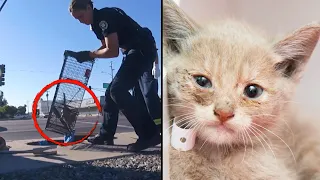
(110, 20)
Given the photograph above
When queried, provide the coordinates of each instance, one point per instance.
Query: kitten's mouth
(220, 127)
(223, 128)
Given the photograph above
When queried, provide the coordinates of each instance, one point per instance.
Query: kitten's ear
(177, 26)
(296, 50)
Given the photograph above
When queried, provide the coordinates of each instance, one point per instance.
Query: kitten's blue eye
(253, 91)
(203, 81)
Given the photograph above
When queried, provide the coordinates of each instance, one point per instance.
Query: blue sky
(34, 35)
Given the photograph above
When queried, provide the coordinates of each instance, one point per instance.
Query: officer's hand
(83, 56)
(156, 71)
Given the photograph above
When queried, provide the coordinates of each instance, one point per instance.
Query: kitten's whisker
(279, 138)
(173, 37)
(245, 146)
(284, 120)
(194, 126)
(187, 134)
(250, 140)
(258, 115)
(257, 138)
(260, 134)
(181, 118)
(204, 141)
(283, 128)
(187, 115)
(196, 120)
(275, 122)
(183, 115)
(188, 119)
(192, 123)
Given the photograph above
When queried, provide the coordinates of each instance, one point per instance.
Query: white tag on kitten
(182, 139)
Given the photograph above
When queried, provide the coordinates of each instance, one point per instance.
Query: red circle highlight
(35, 104)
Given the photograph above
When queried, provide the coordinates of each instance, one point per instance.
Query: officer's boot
(100, 139)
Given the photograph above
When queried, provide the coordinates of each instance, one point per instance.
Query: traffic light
(2, 74)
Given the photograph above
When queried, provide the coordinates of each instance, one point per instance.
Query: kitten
(234, 87)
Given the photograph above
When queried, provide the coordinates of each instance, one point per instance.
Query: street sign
(105, 85)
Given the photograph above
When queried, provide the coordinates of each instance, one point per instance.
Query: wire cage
(68, 97)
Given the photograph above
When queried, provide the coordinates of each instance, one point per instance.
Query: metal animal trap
(68, 97)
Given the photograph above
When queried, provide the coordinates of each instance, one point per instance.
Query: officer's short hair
(80, 5)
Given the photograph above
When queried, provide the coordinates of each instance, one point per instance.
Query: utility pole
(48, 102)
(4, 2)
(111, 70)
(28, 106)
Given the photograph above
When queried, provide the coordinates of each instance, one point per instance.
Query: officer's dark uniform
(146, 92)
(140, 54)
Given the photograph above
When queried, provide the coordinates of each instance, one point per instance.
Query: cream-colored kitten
(234, 88)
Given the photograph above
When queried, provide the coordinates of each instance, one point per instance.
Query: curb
(23, 144)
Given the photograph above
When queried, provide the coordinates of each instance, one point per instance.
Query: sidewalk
(70, 154)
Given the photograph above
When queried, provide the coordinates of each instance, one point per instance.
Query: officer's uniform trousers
(137, 63)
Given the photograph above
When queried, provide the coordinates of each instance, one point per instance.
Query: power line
(48, 72)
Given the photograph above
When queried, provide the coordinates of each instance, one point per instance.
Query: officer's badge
(103, 25)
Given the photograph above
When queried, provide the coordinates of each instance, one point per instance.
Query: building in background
(44, 107)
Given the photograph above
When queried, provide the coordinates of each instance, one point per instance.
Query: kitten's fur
(231, 55)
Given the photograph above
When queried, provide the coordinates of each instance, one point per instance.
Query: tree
(3, 101)
(22, 110)
(10, 111)
(2, 112)
(7, 111)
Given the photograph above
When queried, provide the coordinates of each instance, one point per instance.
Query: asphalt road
(24, 129)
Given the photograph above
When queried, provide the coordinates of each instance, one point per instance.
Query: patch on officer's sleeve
(103, 25)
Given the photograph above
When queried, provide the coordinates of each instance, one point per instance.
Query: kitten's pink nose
(223, 115)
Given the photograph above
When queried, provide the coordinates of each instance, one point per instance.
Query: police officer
(117, 30)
